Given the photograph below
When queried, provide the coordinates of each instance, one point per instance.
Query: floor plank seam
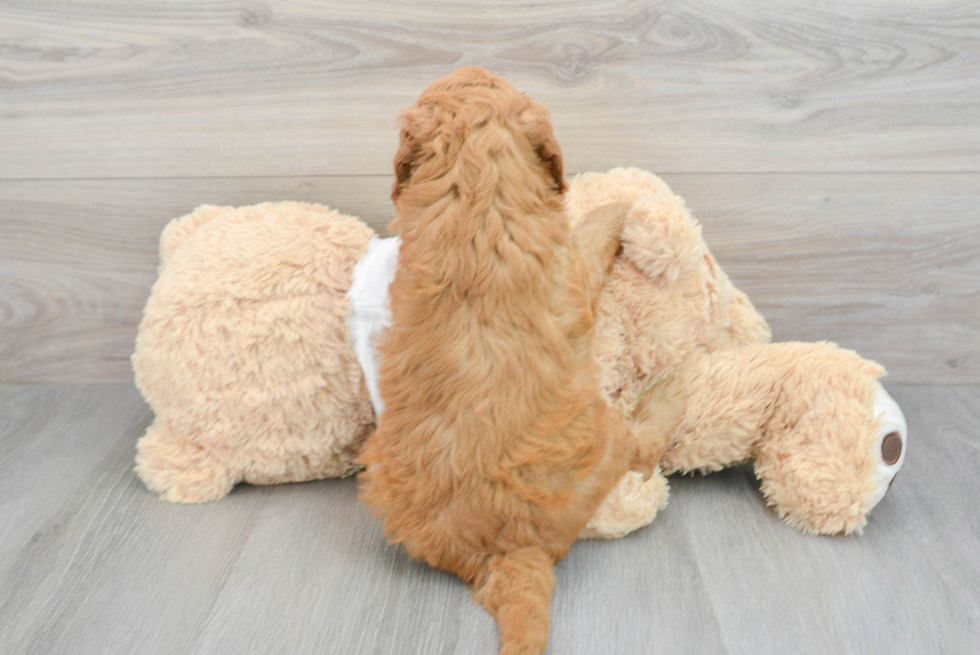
(664, 173)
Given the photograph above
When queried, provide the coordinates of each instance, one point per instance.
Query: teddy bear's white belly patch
(370, 309)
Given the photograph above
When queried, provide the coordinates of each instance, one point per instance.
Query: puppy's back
(495, 446)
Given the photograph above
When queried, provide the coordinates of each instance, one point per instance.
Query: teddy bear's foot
(632, 504)
(889, 448)
(179, 470)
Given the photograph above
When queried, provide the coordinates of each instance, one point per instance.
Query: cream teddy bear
(255, 354)
(687, 357)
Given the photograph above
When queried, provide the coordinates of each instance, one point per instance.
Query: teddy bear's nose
(891, 448)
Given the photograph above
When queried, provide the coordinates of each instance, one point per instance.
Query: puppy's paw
(646, 459)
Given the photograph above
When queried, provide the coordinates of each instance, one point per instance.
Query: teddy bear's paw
(889, 448)
(179, 470)
(632, 504)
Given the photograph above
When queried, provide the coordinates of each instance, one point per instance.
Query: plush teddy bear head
(687, 358)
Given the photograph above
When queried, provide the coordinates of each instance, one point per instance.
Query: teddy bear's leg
(805, 412)
(179, 469)
(632, 504)
(638, 496)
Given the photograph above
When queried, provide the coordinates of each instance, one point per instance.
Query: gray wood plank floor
(92, 563)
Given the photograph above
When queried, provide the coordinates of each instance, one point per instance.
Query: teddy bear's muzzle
(890, 446)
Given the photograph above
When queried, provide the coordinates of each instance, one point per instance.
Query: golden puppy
(495, 446)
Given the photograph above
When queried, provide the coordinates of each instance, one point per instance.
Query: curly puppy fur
(495, 446)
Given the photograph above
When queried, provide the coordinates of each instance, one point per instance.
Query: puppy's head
(465, 129)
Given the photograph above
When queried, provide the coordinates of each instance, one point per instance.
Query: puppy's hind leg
(516, 589)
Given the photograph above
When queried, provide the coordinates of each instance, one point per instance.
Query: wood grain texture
(139, 89)
(52, 440)
(887, 264)
(105, 568)
(93, 528)
(78, 258)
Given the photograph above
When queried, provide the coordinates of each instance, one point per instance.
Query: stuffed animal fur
(687, 358)
(243, 351)
(244, 356)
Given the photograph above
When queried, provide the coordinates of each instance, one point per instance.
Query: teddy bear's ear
(180, 230)
(660, 238)
(537, 127)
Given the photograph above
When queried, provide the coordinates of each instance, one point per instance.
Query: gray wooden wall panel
(122, 89)
(887, 264)
(832, 149)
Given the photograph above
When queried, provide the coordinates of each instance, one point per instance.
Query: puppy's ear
(537, 127)
(406, 158)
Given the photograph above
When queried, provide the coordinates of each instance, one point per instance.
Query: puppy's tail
(516, 589)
